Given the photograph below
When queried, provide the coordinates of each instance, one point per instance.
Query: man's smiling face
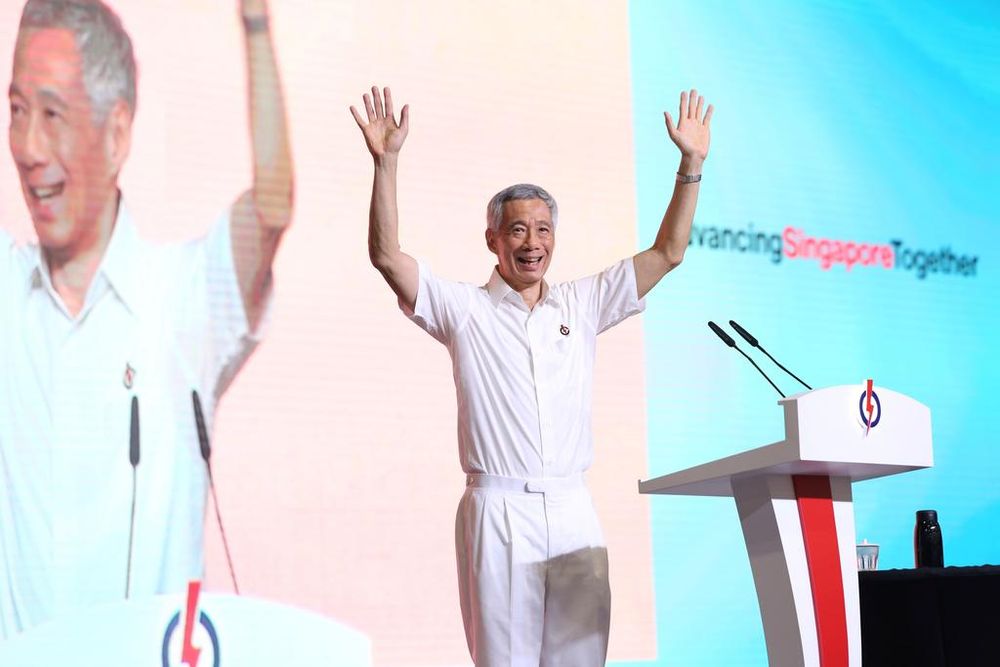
(59, 147)
(524, 242)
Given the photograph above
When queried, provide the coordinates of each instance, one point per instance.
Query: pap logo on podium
(198, 644)
(869, 408)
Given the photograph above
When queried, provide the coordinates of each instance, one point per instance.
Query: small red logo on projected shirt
(129, 378)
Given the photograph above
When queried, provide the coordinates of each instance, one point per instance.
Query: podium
(153, 632)
(795, 506)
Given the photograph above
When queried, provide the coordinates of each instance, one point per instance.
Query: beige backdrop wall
(335, 450)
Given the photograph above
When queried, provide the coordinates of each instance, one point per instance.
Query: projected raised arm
(691, 134)
(261, 215)
(384, 138)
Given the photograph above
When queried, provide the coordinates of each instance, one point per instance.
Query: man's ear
(118, 135)
(490, 242)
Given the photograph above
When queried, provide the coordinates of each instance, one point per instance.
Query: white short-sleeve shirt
(158, 322)
(523, 377)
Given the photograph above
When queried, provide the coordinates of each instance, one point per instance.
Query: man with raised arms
(532, 562)
(92, 315)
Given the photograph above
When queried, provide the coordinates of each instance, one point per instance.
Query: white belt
(518, 485)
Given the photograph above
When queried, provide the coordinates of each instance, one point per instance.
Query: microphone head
(199, 422)
(133, 439)
(726, 338)
(743, 332)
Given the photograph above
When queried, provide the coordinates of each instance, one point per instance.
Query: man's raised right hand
(383, 135)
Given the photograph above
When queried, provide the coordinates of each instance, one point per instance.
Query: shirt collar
(120, 261)
(118, 265)
(499, 290)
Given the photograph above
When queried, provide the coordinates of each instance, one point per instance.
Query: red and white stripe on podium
(799, 533)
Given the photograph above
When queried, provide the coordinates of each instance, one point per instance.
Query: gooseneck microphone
(753, 343)
(133, 459)
(728, 340)
(206, 454)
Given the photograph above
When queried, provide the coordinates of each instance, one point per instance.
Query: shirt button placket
(533, 350)
(538, 357)
(61, 398)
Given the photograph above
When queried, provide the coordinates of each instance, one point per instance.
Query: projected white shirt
(524, 377)
(157, 322)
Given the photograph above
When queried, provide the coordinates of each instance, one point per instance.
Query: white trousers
(532, 573)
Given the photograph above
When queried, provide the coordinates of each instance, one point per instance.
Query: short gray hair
(494, 210)
(109, 70)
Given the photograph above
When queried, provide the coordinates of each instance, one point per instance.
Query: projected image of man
(532, 561)
(92, 315)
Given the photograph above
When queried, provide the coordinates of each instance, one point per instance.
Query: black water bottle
(928, 551)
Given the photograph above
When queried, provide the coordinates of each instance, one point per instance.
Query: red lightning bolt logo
(189, 654)
(868, 406)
